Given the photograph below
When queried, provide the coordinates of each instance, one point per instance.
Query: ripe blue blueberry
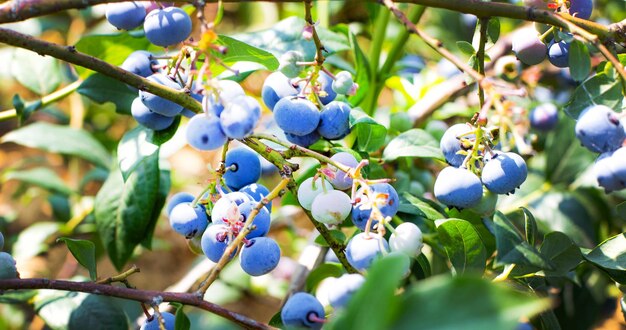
(334, 122)
(181, 197)
(259, 256)
(302, 311)
(240, 117)
(605, 174)
(125, 15)
(226, 92)
(528, 48)
(581, 8)
(215, 241)
(305, 140)
(158, 104)
(205, 133)
(147, 118)
(257, 192)
(153, 324)
(168, 26)
(451, 143)
(383, 195)
(544, 117)
(140, 62)
(618, 166)
(276, 87)
(342, 180)
(558, 54)
(188, 220)
(504, 172)
(343, 83)
(245, 168)
(362, 250)
(261, 221)
(598, 128)
(7, 266)
(327, 94)
(296, 116)
(289, 63)
(458, 187)
(343, 288)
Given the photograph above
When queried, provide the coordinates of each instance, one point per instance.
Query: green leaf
(133, 149)
(566, 158)
(363, 74)
(162, 136)
(561, 251)
(102, 89)
(373, 306)
(463, 245)
(276, 321)
(512, 249)
(370, 134)
(610, 256)
(124, 210)
(421, 268)
(530, 226)
(24, 111)
(182, 321)
(35, 239)
(165, 184)
(40, 176)
(579, 60)
(112, 48)
(417, 206)
(320, 273)
(465, 47)
(493, 29)
(599, 89)
(337, 234)
(85, 253)
(60, 139)
(41, 74)
(447, 303)
(413, 143)
(239, 51)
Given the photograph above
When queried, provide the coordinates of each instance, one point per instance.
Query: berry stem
(120, 277)
(44, 101)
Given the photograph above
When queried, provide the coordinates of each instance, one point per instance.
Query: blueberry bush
(409, 164)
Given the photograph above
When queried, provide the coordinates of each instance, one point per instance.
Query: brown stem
(308, 17)
(146, 296)
(121, 277)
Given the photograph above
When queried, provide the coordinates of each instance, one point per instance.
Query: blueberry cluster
(229, 214)
(599, 129)
(457, 186)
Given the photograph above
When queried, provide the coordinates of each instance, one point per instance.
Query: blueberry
(504, 172)
(158, 104)
(168, 26)
(296, 116)
(168, 318)
(342, 180)
(298, 311)
(226, 92)
(181, 197)
(331, 207)
(362, 250)
(605, 174)
(558, 54)
(581, 8)
(598, 128)
(257, 192)
(125, 15)
(309, 189)
(187, 220)
(205, 133)
(410, 65)
(215, 241)
(259, 256)
(450, 143)
(386, 199)
(334, 122)
(458, 187)
(149, 119)
(140, 62)
(327, 94)
(222, 209)
(407, 238)
(618, 167)
(247, 168)
(343, 83)
(305, 140)
(7, 266)
(276, 87)
(528, 48)
(240, 117)
(261, 221)
(544, 117)
(343, 288)
(289, 63)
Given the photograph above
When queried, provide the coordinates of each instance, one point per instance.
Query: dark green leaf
(566, 158)
(42, 177)
(493, 29)
(61, 207)
(464, 303)
(320, 273)
(41, 74)
(562, 252)
(413, 143)
(375, 303)
(463, 245)
(276, 321)
(182, 321)
(102, 89)
(239, 51)
(337, 234)
(133, 149)
(465, 47)
(363, 74)
(85, 253)
(530, 226)
(60, 139)
(165, 183)
(162, 136)
(511, 247)
(98, 313)
(35, 239)
(610, 256)
(421, 268)
(579, 60)
(414, 205)
(599, 89)
(370, 134)
(124, 210)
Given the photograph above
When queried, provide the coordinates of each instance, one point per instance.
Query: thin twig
(121, 277)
